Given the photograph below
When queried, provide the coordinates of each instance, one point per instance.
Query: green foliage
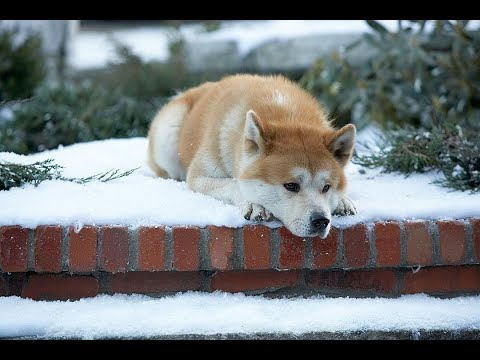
(402, 77)
(69, 113)
(448, 147)
(22, 65)
(399, 79)
(133, 77)
(212, 25)
(117, 102)
(15, 175)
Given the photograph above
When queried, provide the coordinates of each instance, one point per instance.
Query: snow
(143, 199)
(251, 34)
(93, 49)
(90, 49)
(136, 316)
(457, 171)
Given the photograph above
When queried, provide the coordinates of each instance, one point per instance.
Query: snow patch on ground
(223, 313)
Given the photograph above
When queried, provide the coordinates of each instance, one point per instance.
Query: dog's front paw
(256, 212)
(345, 207)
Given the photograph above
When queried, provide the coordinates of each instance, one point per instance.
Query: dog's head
(295, 172)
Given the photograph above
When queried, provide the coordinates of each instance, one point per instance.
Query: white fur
(279, 98)
(165, 151)
(295, 209)
(252, 132)
(321, 179)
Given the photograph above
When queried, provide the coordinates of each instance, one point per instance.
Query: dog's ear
(342, 143)
(254, 133)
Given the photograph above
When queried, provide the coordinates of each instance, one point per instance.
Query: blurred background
(69, 81)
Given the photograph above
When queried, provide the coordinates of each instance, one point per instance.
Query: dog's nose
(319, 221)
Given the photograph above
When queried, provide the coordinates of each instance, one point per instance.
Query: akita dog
(260, 143)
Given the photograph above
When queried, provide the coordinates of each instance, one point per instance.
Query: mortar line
(168, 248)
(65, 248)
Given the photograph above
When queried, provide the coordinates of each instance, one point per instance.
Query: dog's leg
(227, 190)
(223, 188)
(256, 212)
(345, 207)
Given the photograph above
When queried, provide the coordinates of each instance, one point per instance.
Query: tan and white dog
(260, 143)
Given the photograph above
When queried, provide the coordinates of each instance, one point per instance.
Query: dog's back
(212, 116)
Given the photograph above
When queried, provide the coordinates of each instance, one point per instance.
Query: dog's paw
(345, 207)
(257, 213)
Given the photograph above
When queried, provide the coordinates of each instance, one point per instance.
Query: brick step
(52, 249)
(391, 258)
(438, 281)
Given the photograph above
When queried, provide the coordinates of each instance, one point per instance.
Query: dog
(260, 143)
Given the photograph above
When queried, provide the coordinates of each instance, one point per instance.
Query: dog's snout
(319, 221)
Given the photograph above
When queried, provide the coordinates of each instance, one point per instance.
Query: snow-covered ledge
(142, 234)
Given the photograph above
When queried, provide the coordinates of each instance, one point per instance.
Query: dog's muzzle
(318, 222)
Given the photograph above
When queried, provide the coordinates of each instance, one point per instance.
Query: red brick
(48, 246)
(443, 279)
(220, 247)
(476, 236)
(114, 249)
(151, 252)
(419, 243)
(387, 241)
(60, 287)
(356, 246)
(186, 249)
(291, 250)
(378, 280)
(325, 250)
(13, 248)
(16, 282)
(452, 241)
(256, 247)
(83, 249)
(3, 286)
(155, 282)
(254, 280)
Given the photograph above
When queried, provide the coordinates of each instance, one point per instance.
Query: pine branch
(16, 175)
(110, 175)
(448, 148)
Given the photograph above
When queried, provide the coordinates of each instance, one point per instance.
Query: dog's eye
(294, 187)
(326, 188)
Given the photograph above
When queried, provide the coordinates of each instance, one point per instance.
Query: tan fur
(216, 156)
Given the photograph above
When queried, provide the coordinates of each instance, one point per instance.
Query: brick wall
(383, 258)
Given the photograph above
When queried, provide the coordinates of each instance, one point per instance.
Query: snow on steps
(387, 258)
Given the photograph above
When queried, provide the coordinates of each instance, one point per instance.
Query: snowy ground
(220, 313)
(142, 199)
